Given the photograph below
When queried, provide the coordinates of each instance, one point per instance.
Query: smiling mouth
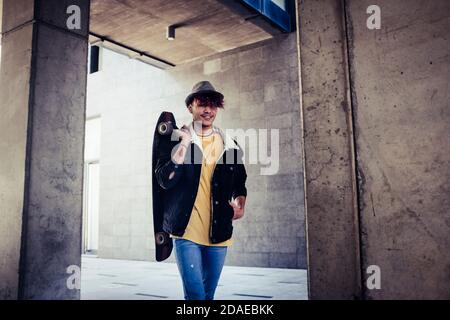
(207, 117)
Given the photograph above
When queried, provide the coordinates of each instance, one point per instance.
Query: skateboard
(162, 145)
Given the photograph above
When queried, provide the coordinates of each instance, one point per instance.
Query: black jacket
(180, 192)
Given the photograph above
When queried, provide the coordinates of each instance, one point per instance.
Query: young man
(204, 182)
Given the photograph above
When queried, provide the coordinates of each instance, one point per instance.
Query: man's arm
(240, 178)
(239, 193)
(169, 169)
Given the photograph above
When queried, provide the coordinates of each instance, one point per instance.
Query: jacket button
(215, 184)
(215, 221)
(216, 202)
(231, 168)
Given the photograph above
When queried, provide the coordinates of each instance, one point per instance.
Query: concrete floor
(136, 280)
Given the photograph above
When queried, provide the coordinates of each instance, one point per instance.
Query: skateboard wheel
(165, 128)
(161, 238)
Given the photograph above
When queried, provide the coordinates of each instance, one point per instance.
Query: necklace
(207, 135)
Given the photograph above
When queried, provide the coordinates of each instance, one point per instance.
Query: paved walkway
(136, 280)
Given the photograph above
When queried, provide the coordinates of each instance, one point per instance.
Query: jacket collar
(229, 143)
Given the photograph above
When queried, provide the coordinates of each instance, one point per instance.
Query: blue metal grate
(284, 19)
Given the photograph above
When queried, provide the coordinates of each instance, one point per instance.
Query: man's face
(204, 113)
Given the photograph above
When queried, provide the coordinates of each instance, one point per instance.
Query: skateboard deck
(162, 146)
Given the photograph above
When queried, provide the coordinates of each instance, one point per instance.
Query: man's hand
(183, 133)
(180, 153)
(238, 205)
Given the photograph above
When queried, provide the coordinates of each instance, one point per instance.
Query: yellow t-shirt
(198, 228)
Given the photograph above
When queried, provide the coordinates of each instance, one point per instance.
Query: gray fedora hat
(202, 87)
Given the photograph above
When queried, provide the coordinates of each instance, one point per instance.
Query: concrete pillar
(400, 88)
(330, 188)
(43, 93)
(397, 123)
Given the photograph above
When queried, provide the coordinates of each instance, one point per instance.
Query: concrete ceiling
(207, 26)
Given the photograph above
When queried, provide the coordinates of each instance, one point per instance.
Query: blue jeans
(200, 268)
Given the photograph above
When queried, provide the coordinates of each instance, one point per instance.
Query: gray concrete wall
(260, 84)
(387, 90)
(14, 93)
(331, 208)
(43, 83)
(1, 17)
(402, 124)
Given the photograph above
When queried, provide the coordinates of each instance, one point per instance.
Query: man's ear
(190, 108)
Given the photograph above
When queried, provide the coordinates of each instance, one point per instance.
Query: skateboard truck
(165, 128)
(161, 238)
